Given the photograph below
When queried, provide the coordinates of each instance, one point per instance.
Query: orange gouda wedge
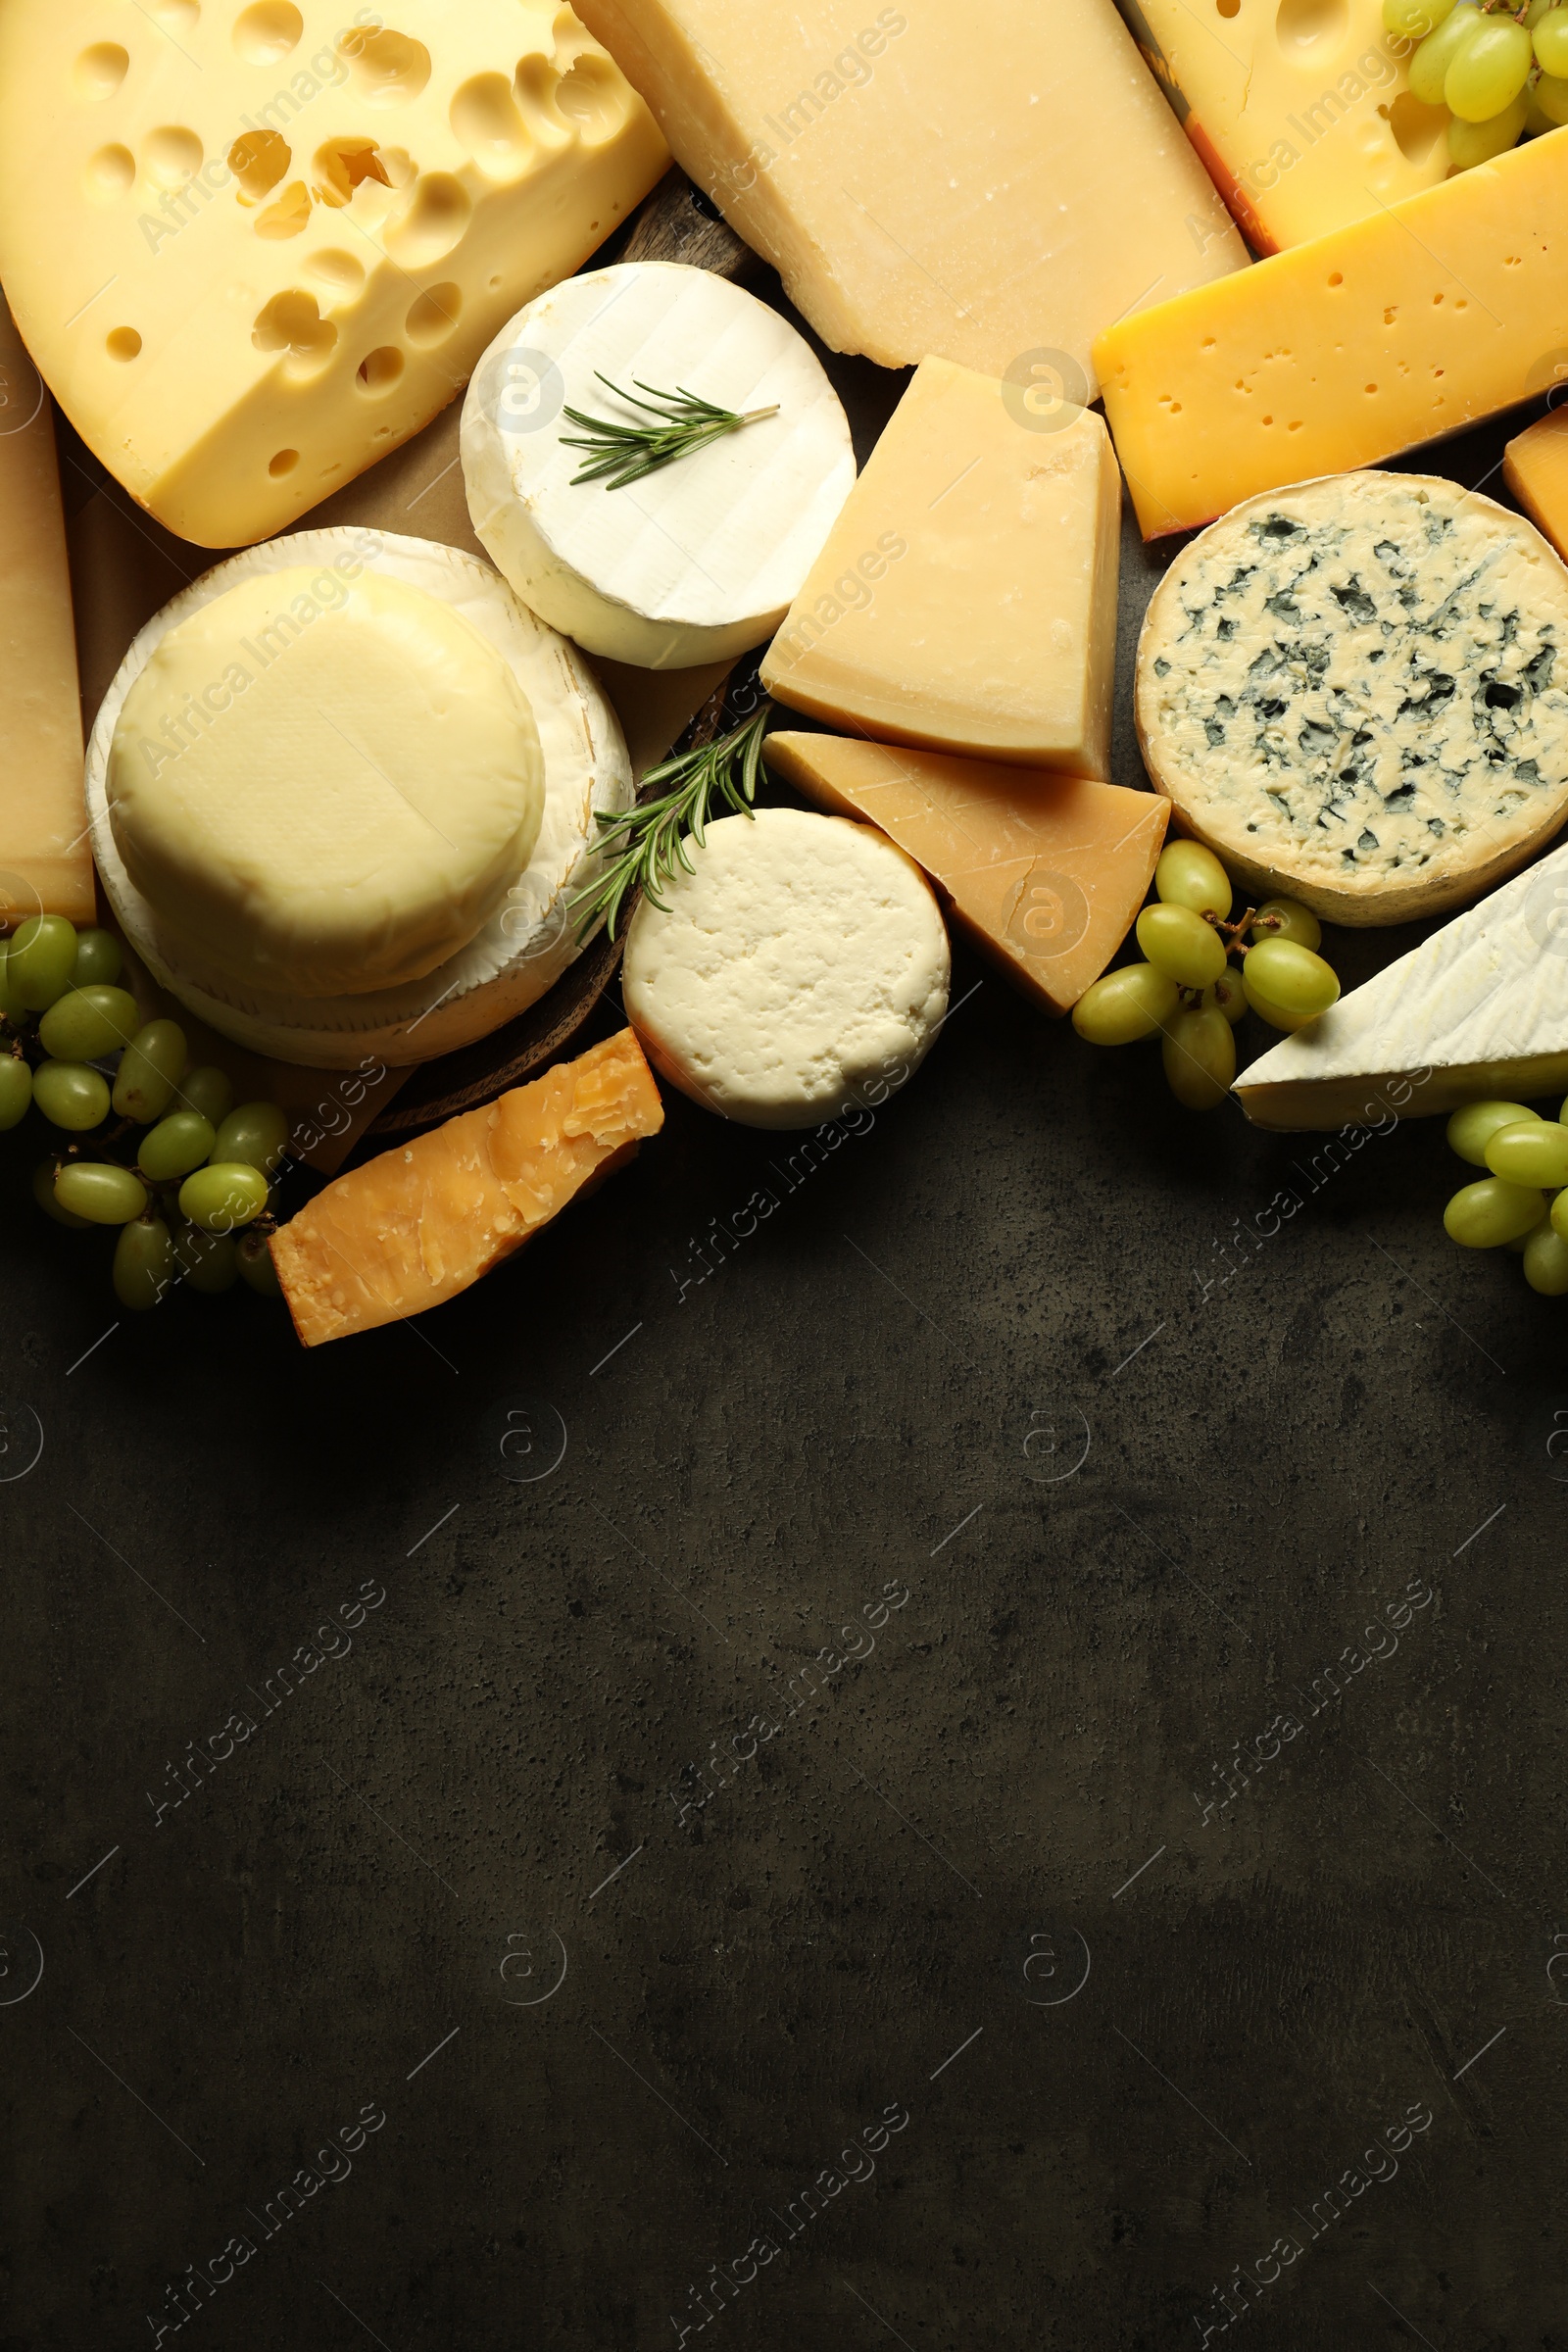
(1046, 872)
(425, 1220)
(1535, 467)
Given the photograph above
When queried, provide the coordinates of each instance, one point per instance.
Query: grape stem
(1232, 933)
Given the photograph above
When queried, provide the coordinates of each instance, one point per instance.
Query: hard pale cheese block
(426, 1220)
(1046, 872)
(1535, 468)
(45, 861)
(1479, 1010)
(976, 183)
(967, 599)
(700, 560)
(1303, 114)
(275, 241)
(1403, 327)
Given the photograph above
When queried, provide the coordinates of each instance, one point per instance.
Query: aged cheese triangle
(1046, 872)
(1480, 1008)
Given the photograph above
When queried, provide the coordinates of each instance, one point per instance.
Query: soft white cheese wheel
(696, 562)
(802, 966)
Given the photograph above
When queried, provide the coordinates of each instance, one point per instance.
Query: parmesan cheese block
(428, 1218)
(277, 238)
(928, 179)
(966, 600)
(1535, 467)
(1356, 693)
(701, 560)
(799, 964)
(45, 862)
(533, 934)
(1479, 1010)
(1046, 872)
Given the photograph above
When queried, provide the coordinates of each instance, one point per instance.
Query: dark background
(1020, 1350)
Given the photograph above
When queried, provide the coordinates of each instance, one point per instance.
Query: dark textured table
(945, 1734)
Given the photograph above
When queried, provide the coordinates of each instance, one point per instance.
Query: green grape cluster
(1521, 1204)
(194, 1204)
(1500, 68)
(1189, 994)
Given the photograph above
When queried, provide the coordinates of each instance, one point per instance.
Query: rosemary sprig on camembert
(627, 452)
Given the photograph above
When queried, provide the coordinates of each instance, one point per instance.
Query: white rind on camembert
(1357, 692)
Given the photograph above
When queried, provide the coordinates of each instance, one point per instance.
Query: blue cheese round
(1355, 692)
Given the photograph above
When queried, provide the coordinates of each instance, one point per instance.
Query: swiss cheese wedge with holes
(253, 248)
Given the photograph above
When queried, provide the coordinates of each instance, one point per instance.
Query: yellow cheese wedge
(1345, 352)
(276, 237)
(45, 861)
(1046, 872)
(967, 599)
(978, 183)
(425, 1220)
(1302, 113)
(1535, 467)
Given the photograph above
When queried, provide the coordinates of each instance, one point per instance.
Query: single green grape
(1188, 875)
(1551, 98)
(1474, 143)
(16, 1091)
(1180, 945)
(43, 1192)
(208, 1261)
(11, 1004)
(1537, 10)
(224, 1197)
(98, 962)
(100, 1193)
(85, 1023)
(1200, 1057)
(1531, 1152)
(1429, 65)
(1281, 977)
(180, 1142)
(1485, 1215)
(71, 1095)
(254, 1253)
(1125, 1006)
(150, 1069)
(1550, 37)
(1489, 70)
(1227, 995)
(256, 1135)
(1413, 20)
(208, 1091)
(1546, 1261)
(1288, 918)
(1473, 1126)
(144, 1264)
(42, 959)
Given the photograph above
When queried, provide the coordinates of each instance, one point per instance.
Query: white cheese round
(801, 967)
(1355, 692)
(703, 559)
(531, 937)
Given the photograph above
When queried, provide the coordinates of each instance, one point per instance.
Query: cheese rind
(1479, 1010)
(1535, 468)
(967, 599)
(426, 1220)
(45, 861)
(1046, 872)
(275, 243)
(700, 560)
(1355, 692)
(1344, 352)
(925, 183)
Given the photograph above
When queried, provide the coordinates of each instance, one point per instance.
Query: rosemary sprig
(627, 451)
(648, 840)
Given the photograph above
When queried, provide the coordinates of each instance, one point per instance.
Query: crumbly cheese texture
(802, 962)
(424, 1221)
(1406, 327)
(966, 600)
(700, 560)
(325, 786)
(1046, 872)
(1303, 115)
(926, 181)
(1480, 1009)
(1535, 469)
(1357, 692)
(533, 935)
(253, 248)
